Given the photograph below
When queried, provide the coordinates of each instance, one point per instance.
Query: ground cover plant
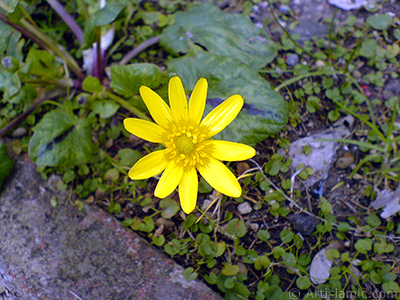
(71, 74)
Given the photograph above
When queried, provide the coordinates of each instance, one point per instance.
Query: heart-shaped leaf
(126, 80)
(61, 139)
(220, 33)
(264, 112)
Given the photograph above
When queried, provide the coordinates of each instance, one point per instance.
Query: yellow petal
(146, 130)
(169, 180)
(220, 178)
(228, 151)
(188, 190)
(197, 101)
(177, 99)
(159, 110)
(222, 115)
(149, 166)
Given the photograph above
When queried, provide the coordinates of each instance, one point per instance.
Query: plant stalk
(127, 106)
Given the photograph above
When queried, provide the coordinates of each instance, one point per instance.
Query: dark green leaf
(264, 111)
(262, 262)
(128, 157)
(236, 228)
(126, 80)
(230, 270)
(105, 108)
(223, 34)
(42, 63)
(189, 274)
(380, 21)
(9, 83)
(169, 208)
(101, 17)
(9, 39)
(92, 84)
(6, 163)
(61, 139)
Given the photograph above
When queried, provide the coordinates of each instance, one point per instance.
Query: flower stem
(51, 95)
(297, 78)
(138, 49)
(68, 19)
(127, 106)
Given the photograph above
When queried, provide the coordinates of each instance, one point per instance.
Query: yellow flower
(188, 143)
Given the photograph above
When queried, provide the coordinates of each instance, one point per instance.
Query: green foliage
(61, 139)
(126, 80)
(100, 18)
(264, 112)
(222, 34)
(6, 163)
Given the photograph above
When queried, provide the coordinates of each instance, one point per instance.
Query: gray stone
(292, 60)
(64, 253)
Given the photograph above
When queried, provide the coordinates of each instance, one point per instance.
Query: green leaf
(147, 225)
(61, 139)
(158, 240)
(101, 17)
(9, 83)
(9, 39)
(264, 111)
(169, 208)
(105, 108)
(128, 157)
(303, 283)
(173, 247)
(42, 63)
(230, 270)
(263, 235)
(331, 254)
(223, 34)
(391, 287)
(380, 21)
(26, 95)
(363, 245)
(236, 228)
(289, 260)
(126, 80)
(92, 84)
(262, 262)
(6, 163)
(286, 236)
(374, 220)
(189, 274)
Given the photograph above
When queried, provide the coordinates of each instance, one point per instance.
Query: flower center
(184, 147)
(185, 144)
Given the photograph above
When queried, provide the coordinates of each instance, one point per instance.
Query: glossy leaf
(102, 17)
(223, 34)
(264, 112)
(126, 80)
(61, 139)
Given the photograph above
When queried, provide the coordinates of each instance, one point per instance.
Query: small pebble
(166, 223)
(109, 143)
(20, 131)
(244, 208)
(254, 226)
(292, 60)
(90, 199)
(345, 161)
(303, 223)
(357, 74)
(206, 204)
(284, 9)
